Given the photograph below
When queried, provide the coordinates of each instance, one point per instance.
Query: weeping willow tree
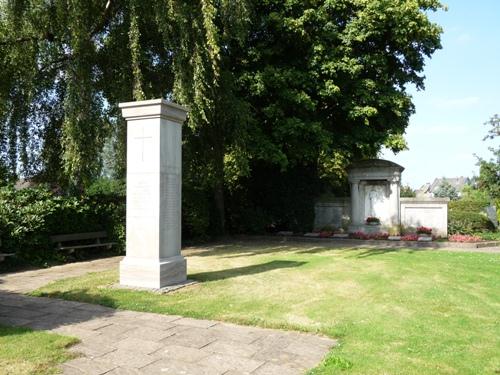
(274, 86)
(66, 64)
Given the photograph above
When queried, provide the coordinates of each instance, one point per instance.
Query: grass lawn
(395, 312)
(23, 351)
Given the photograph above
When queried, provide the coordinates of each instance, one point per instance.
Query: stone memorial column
(154, 169)
(396, 205)
(356, 214)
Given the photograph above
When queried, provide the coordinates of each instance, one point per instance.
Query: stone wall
(331, 212)
(429, 212)
(415, 212)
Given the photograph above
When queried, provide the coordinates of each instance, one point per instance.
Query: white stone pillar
(154, 169)
(356, 213)
(395, 203)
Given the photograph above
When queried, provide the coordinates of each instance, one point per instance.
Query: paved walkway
(126, 342)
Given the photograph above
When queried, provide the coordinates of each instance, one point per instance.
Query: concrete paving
(126, 342)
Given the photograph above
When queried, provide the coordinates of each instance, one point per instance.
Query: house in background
(428, 189)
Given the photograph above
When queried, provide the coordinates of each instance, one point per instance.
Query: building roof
(457, 182)
(375, 163)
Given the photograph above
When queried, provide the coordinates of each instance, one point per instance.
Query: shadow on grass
(244, 271)
(381, 251)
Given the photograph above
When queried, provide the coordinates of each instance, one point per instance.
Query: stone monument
(154, 169)
(375, 188)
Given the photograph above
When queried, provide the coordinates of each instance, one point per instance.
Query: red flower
(463, 238)
(424, 230)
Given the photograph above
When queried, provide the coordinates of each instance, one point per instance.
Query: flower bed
(369, 236)
(409, 237)
(463, 238)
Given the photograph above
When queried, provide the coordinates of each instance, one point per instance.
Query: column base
(153, 274)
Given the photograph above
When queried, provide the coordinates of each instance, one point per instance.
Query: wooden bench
(4, 255)
(74, 241)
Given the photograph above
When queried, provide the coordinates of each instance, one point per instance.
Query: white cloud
(457, 103)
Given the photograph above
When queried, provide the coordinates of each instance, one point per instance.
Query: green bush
(28, 218)
(467, 215)
(468, 222)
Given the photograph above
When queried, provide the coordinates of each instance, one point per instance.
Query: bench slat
(85, 246)
(78, 236)
(3, 256)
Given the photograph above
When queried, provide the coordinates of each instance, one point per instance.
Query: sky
(462, 92)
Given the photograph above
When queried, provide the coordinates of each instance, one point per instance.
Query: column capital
(155, 108)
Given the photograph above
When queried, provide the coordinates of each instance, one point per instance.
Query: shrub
(466, 222)
(463, 238)
(466, 216)
(28, 218)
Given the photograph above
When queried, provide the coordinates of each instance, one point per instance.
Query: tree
(446, 190)
(296, 87)
(407, 192)
(489, 170)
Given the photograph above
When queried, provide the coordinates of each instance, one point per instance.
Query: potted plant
(372, 220)
(426, 231)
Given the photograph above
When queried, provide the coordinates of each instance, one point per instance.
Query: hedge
(28, 218)
(467, 216)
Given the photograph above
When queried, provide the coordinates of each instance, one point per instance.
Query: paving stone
(99, 339)
(306, 349)
(75, 331)
(159, 319)
(232, 348)
(277, 356)
(181, 353)
(276, 340)
(235, 333)
(117, 330)
(92, 351)
(198, 323)
(147, 333)
(12, 321)
(128, 358)
(125, 371)
(272, 369)
(224, 363)
(90, 366)
(139, 346)
(173, 367)
(192, 337)
(25, 313)
(94, 324)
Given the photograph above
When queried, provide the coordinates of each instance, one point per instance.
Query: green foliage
(464, 222)
(274, 85)
(28, 218)
(195, 213)
(446, 190)
(467, 216)
(407, 192)
(275, 201)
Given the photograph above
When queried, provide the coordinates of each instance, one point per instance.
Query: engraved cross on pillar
(143, 139)
(153, 246)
